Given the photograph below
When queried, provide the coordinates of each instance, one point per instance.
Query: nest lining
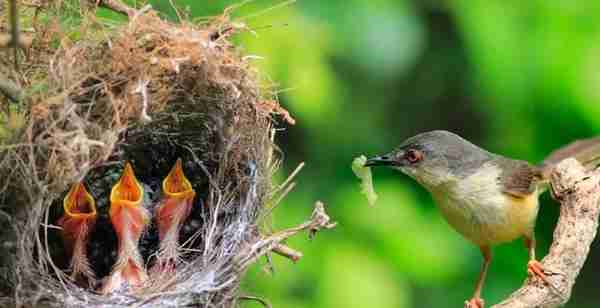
(148, 92)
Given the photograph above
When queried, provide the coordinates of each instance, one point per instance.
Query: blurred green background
(519, 78)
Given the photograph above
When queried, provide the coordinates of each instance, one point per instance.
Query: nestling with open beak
(174, 209)
(129, 219)
(487, 198)
(77, 221)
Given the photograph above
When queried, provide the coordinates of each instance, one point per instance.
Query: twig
(288, 252)
(286, 186)
(116, 6)
(261, 301)
(289, 178)
(14, 30)
(578, 193)
(318, 221)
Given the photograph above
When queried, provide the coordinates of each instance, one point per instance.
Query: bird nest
(148, 92)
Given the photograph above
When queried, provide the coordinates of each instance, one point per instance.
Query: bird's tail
(586, 151)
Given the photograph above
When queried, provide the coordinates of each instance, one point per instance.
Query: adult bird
(174, 208)
(489, 199)
(77, 222)
(129, 219)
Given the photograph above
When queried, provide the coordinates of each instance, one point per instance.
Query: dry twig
(259, 300)
(14, 29)
(114, 5)
(578, 193)
(288, 252)
(318, 221)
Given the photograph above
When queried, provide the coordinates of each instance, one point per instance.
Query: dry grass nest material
(147, 92)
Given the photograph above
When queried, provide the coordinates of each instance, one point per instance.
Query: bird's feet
(475, 302)
(536, 269)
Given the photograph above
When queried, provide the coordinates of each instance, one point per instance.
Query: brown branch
(114, 5)
(578, 193)
(14, 31)
(288, 252)
(318, 221)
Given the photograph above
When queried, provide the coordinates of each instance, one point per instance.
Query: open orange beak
(175, 207)
(79, 204)
(176, 185)
(129, 218)
(78, 220)
(128, 190)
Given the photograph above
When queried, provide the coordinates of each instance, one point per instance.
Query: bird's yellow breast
(478, 209)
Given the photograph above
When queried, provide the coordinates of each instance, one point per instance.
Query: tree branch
(14, 31)
(114, 5)
(288, 252)
(578, 193)
(319, 220)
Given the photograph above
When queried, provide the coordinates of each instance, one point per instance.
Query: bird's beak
(128, 190)
(126, 210)
(382, 160)
(176, 185)
(79, 204)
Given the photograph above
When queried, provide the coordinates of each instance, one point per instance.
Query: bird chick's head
(78, 203)
(434, 158)
(128, 190)
(176, 184)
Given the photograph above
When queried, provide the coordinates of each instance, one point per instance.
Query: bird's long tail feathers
(586, 151)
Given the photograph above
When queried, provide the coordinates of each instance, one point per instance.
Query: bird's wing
(518, 178)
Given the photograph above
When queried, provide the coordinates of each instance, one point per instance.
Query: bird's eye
(413, 156)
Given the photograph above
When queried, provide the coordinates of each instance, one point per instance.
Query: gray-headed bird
(489, 199)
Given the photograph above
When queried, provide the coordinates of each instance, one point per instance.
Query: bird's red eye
(413, 156)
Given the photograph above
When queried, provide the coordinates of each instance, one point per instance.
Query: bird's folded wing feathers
(519, 178)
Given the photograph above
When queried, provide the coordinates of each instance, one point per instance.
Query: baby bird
(129, 218)
(175, 206)
(77, 222)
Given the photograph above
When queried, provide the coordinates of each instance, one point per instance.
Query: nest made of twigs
(147, 92)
